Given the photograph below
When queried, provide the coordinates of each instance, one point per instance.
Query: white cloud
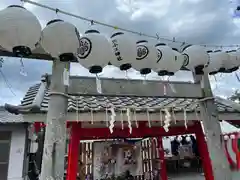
(140, 8)
(194, 21)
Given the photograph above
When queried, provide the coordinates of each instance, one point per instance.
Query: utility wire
(156, 36)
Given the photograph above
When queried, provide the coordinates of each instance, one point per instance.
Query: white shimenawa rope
(167, 120)
(112, 119)
(129, 120)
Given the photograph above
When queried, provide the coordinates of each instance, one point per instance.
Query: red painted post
(73, 152)
(203, 151)
(163, 169)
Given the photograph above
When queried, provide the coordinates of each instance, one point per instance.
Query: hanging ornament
(91, 55)
(94, 51)
(112, 119)
(20, 30)
(167, 120)
(195, 58)
(128, 114)
(60, 39)
(233, 62)
(146, 57)
(167, 61)
(216, 61)
(232, 136)
(124, 49)
(226, 137)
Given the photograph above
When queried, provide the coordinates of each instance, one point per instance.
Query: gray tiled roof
(100, 102)
(6, 117)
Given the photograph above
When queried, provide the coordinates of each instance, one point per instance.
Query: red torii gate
(78, 133)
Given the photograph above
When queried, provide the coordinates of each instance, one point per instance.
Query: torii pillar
(211, 125)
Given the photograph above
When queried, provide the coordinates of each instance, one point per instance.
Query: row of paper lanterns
(20, 31)
(225, 137)
(230, 136)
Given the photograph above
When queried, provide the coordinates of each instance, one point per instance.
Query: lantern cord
(156, 36)
(144, 79)
(22, 70)
(126, 75)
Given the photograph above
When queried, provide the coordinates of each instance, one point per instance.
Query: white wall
(16, 156)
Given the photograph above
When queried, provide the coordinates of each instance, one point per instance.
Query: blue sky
(194, 21)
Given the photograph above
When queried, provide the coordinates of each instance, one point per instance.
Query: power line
(156, 36)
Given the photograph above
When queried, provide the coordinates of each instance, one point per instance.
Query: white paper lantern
(196, 57)
(233, 62)
(20, 30)
(165, 60)
(226, 137)
(232, 136)
(188, 139)
(124, 50)
(146, 57)
(238, 57)
(94, 52)
(179, 138)
(60, 39)
(216, 61)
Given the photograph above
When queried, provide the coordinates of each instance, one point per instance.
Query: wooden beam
(134, 88)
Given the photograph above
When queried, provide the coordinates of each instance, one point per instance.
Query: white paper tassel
(148, 118)
(185, 118)
(135, 118)
(121, 116)
(112, 119)
(22, 69)
(172, 88)
(98, 85)
(167, 120)
(66, 75)
(92, 116)
(129, 120)
(106, 114)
